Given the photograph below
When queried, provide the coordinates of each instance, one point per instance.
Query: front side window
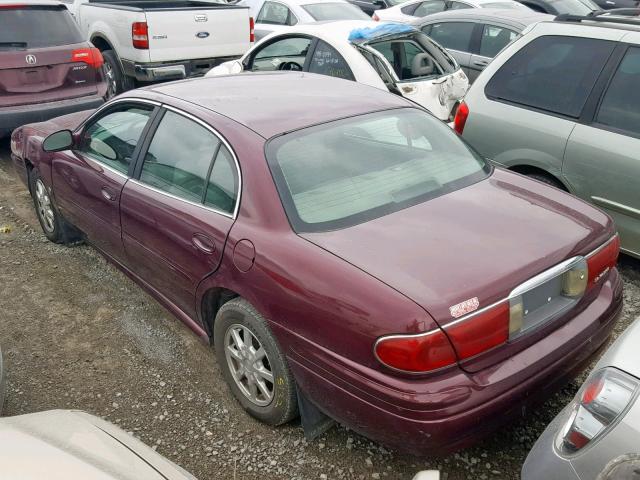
(275, 13)
(552, 73)
(327, 61)
(494, 39)
(453, 35)
(112, 138)
(408, 59)
(179, 157)
(427, 8)
(322, 12)
(350, 171)
(620, 107)
(289, 53)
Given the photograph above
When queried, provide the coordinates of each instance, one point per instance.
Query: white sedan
(279, 15)
(393, 57)
(412, 9)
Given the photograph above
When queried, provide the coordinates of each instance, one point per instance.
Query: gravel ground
(79, 334)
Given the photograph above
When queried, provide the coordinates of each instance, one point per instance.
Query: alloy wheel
(249, 365)
(45, 208)
(110, 74)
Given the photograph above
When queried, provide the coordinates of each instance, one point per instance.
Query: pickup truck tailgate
(186, 34)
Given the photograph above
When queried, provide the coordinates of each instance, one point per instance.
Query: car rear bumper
(18, 115)
(154, 72)
(453, 409)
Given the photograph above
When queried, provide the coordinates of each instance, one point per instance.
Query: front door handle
(108, 194)
(203, 243)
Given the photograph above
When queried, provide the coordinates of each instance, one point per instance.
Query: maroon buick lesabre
(342, 248)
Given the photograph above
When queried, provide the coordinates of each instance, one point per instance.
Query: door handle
(481, 63)
(203, 243)
(108, 194)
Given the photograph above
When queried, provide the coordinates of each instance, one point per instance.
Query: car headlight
(601, 401)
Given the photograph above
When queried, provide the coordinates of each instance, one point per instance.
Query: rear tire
(247, 354)
(117, 82)
(54, 226)
(547, 179)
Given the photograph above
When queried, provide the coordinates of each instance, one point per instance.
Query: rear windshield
(335, 11)
(37, 27)
(350, 171)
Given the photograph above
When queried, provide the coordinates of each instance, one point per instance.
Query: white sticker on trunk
(465, 307)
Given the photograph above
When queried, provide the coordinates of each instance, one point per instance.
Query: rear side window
(275, 13)
(37, 27)
(494, 39)
(322, 12)
(327, 61)
(222, 189)
(620, 107)
(453, 35)
(427, 8)
(179, 157)
(552, 73)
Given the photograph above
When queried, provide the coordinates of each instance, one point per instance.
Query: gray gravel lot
(79, 334)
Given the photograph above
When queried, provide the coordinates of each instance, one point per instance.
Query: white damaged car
(393, 57)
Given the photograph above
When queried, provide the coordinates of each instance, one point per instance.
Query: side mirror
(56, 142)
(235, 66)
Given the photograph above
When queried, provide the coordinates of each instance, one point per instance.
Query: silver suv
(562, 104)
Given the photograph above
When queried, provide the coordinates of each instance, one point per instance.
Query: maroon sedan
(343, 249)
(47, 68)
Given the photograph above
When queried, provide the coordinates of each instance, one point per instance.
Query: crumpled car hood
(63, 445)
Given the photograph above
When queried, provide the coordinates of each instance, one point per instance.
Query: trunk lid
(44, 75)
(36, 45)
(468, 244)
(187, 34)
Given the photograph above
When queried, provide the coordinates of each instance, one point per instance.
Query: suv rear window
(551, 73)
(36, 27)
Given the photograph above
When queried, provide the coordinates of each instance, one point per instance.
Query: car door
(602, 160)
(88, 180)
(456, 37)
(286, 52)
(177, 211)
(489, 40)
(273, 17)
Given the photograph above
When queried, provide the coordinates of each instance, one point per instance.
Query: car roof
(31, 3)
(271, 103)
(520, 16)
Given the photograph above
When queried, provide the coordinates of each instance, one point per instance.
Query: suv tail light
(600, 402)
(461, 118)
(252, 30)
(90, 56)
(140, 35)
(602, 260)
(416, 353)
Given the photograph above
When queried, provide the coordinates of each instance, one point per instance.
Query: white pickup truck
(153, 40)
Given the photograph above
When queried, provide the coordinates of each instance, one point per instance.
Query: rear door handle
(108, 194)
(481, 63)
(203, 243)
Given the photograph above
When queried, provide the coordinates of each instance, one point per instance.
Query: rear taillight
(420, 353)
(252, 33)
(480, 331)
(602, 260)
(375, 17)
(140, 35)
(602, 399)
(90, 56)
(461, 118)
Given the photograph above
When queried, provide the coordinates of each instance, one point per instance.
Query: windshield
(350, 171)
(335, 11)
(35, 27)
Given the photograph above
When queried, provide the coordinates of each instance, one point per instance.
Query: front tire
(253, 364)
(53, 225)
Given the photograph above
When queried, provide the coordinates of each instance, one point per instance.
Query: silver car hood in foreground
(624, 354)
(63, 445)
